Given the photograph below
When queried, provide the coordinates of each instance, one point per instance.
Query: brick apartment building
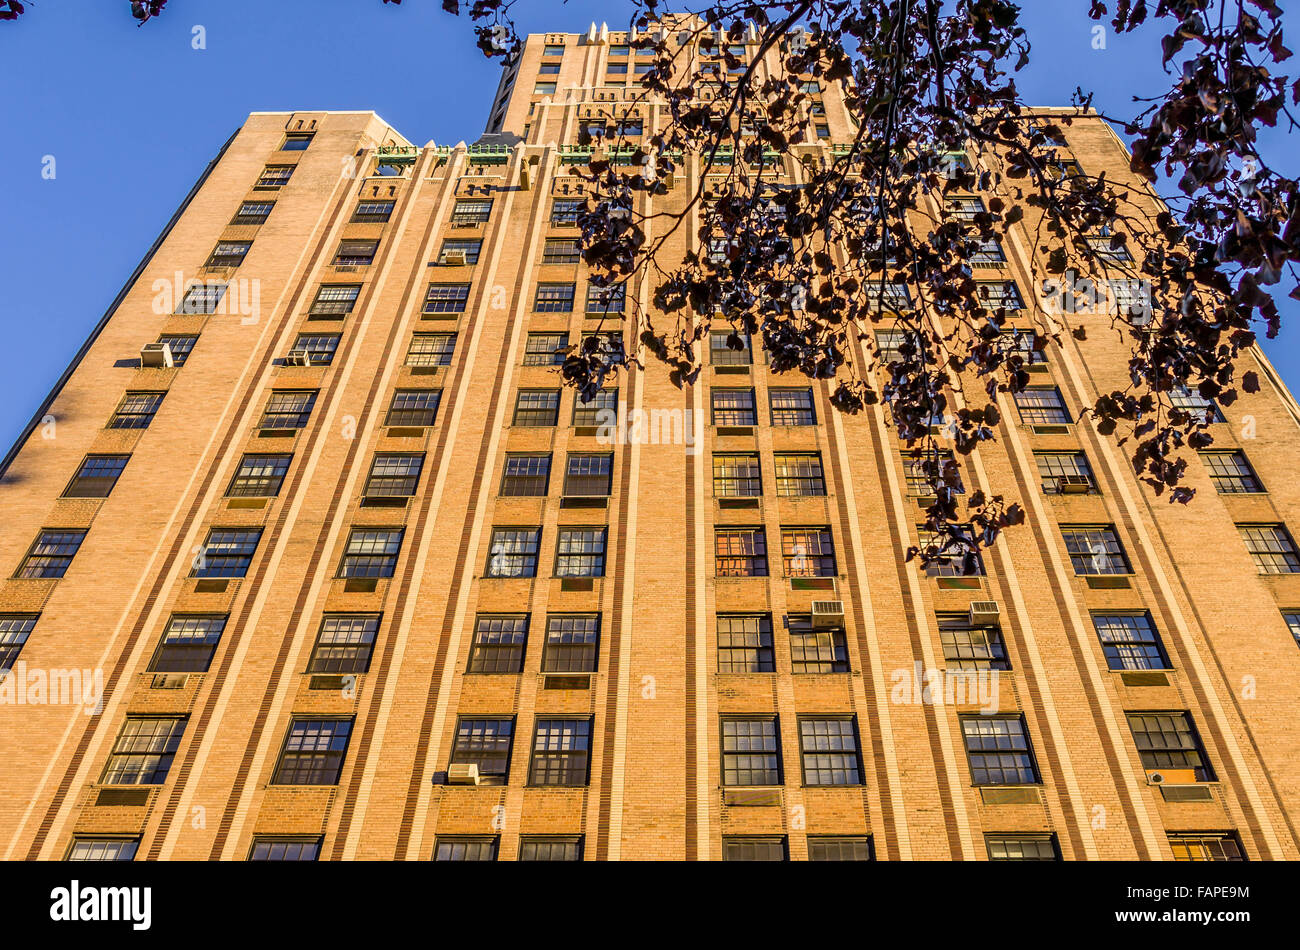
(359, 579)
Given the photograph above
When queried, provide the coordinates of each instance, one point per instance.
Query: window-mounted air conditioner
(156, 354)
(827, 613)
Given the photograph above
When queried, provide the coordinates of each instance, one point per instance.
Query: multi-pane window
(460, 251)
(317, 349)
(988, 253)
(1130, 642)
(839, 848)
(733, 407)
(446, 298)
(964, 208)
(915, 476)
(799, 474)
(96, 476)
(745, 644)
(1193, 402)
(259, 476)
(746, 848)
(275, 176)
(537, 407)
(227, 552)
(288, 409)
(544, 89)
(956, 554)
(344, 643)
(997, 749)
(498, 645)
(373, 212)
(371, 552)
(572, 643)
(52, 552)
(1167, 741)
(606, 299)
(136, 411)
(14, 631)
(886, 296)
(1231, 473)
(470, 212)
(513, 552)
(816, 649)
(581, 552)
(414, 407)
(561, 251)
(736, 476)
(588, 475)
(1206, 847)
(1095, 549)
(1023, 343)
(740, 552)
(229, 253)
(969, 647)
(601, 409)
(750, 754)
(188, 643)
(466, 848)
(538, 848)
(561, 752)
(333, 300)
(996, 294)
(1021, 847)
(1042, 405)
(890, 345)
(296, 141)
(525, 475)
(253, 212)
(1271, 547)
(1292, 619)
(728, 348)
(554, 298)
(808, 552)
(1061, 472)
(485, 743)
(285, 849)
(545, 349)
(313, 752)
(792, 407)
(830, 751)
(201, 298)
(144, 750)
(431, 349)
(355, 253)
(180, 345)
(565, 211)
(103, 849)
(394, 475)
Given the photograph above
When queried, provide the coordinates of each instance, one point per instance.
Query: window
(285, 849)
(1130, 642)
(750, 753)
(1195, 403)
(957, 554)
(229, 253)
(96, 476)
(1095, 550)
(548, 69)
(737, 476)
(259, 476)
(727, 348)
(470, 212)
(552, 50)
(1022, 847)
(572, 643)
(344, 643)
(1292, 619)
(373, 212)
(227, 552)
(446, 298)
(525, 475)
(14, 631)
(296, 141)
(545, 349)
(808, 552)
(1167, 741)
(544, 89)
(414, 407)
(371, 552)
(554, 298)
(740, 552)
(1061, 472)
(561, 751)
(964, 208)
(335, 299)
(537, 407)
(454, 248)
(514, 552)
(565, 211)
(52, 552)
(580, 553)
(288, 409)
(394, 475)
(799, 474)
(188, 643)
(608, 344)
(998, 751)
(136, 411)
(486, 744)
(356, 253)
(253, 212)
(1271, 547)
(180, 345)
(893, 298)
(1223, 846)
(103, 849)
(588, 475)
(743, 848)
(914, 470)
(989, 253)
(465, 848)
(745, 644)
(816, 650)
(733, 407)
(967, 647)
(1231, 473)
(316, 348)
(313, 752)
(536, 848)
(431, 349)
(561, 251)
(850, 848)
(604, 300)
(792, 407)
(1042, 405)
(498, 645)
(618, 51)
(275, 176)
(201, 298)
(143, 751)
(830, 751)
(999, 294)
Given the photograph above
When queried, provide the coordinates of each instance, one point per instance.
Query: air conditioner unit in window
(298, 358)
(456, 258)
(1074, 484)
(462, 774)
(156, 354)
(984, 612)
(827, 613)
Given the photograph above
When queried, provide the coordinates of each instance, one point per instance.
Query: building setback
(311, 555)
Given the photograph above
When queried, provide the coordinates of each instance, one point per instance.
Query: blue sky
(132, 115)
